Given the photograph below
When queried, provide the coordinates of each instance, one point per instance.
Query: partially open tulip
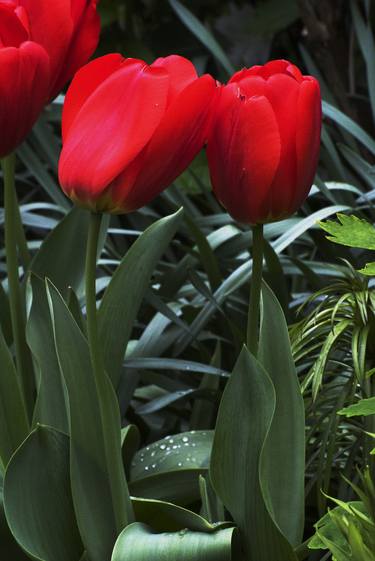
(263, 146)
(130, 129)
(42, 44)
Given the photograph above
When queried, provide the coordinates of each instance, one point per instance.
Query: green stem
(256, 285)
(17, 311)
(116, 476)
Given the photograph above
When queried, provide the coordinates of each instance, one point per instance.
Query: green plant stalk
(120, 511)
(17, 311)
(256, 286)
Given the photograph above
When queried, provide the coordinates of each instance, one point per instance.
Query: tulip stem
(92, 329)
(17, 311)
(253, 319)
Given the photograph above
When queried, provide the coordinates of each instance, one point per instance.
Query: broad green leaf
(99, 487)
(348, 125)
(168, 517)
(369, 269)
(9, 548)
(38, 500)
(169, 469)
(130, 440)
(5, 321)
(244, 420)
(351, 231)
(363, 407)
(61, 257)
(139, 542)
(14, 425)
(124, 294)
(202, 34)
(283, 455)
(50, 407)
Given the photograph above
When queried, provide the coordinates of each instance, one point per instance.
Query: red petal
(243, 153)
(178, 139)
(82, 44)
(23, 92)
(309, 118)
(112, 127)
(181, 71)
(12, 32)
(85, 83)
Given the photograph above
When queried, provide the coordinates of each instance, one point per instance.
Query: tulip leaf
(169, 469)
(99, 487)
(9, 548)
(14, 426)
(38, 500)
(50, 407)
(139, 542)
(168, 517)
(124, 294)
(244, 421)
(283, 455)
(351, 231)
(61, 256)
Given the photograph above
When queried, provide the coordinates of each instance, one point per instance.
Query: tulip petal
(85, 82)
(23, 92)
(181, 72)
(309, 116)
(283, 92)
(185, 125)
(112, 127)
(12, 32)
(243, 153)
(51, 27)
(82, 43)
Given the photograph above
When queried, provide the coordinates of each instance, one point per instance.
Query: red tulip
(130, 129)
(42, 44)
(263, 146)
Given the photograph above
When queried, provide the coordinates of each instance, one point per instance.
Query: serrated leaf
(363, 407)
(369, 269)
(351, 231)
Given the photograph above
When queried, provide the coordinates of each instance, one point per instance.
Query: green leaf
(350, 231)
(124, 294)
(244, 420)
(139, 542)
(169, 469)
(9, 548)
(369, 269)
(14, 426)
(348, 125)
(50, 407)
(202, 34)
(61, 257)
(363, 407)
(99, 487)
(283, 455)
(37, 497)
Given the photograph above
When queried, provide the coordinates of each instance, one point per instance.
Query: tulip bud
(130, 129)
(263, 146)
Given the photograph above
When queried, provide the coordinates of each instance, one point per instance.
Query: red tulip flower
(42, 44)
(263, 146)
(130, 129)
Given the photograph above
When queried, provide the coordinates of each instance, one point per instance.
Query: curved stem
(17, 312)
(92, 330)
(256, 285)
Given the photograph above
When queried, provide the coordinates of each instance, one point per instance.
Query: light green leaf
(363, 407)
(351, 231)
(124, 294)
(202, 34)
(244, 420)
(99, 487)
(369, 269)
(14, 425)
(283, 455)
(37, 498)
(169, 469)
(139, 542)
